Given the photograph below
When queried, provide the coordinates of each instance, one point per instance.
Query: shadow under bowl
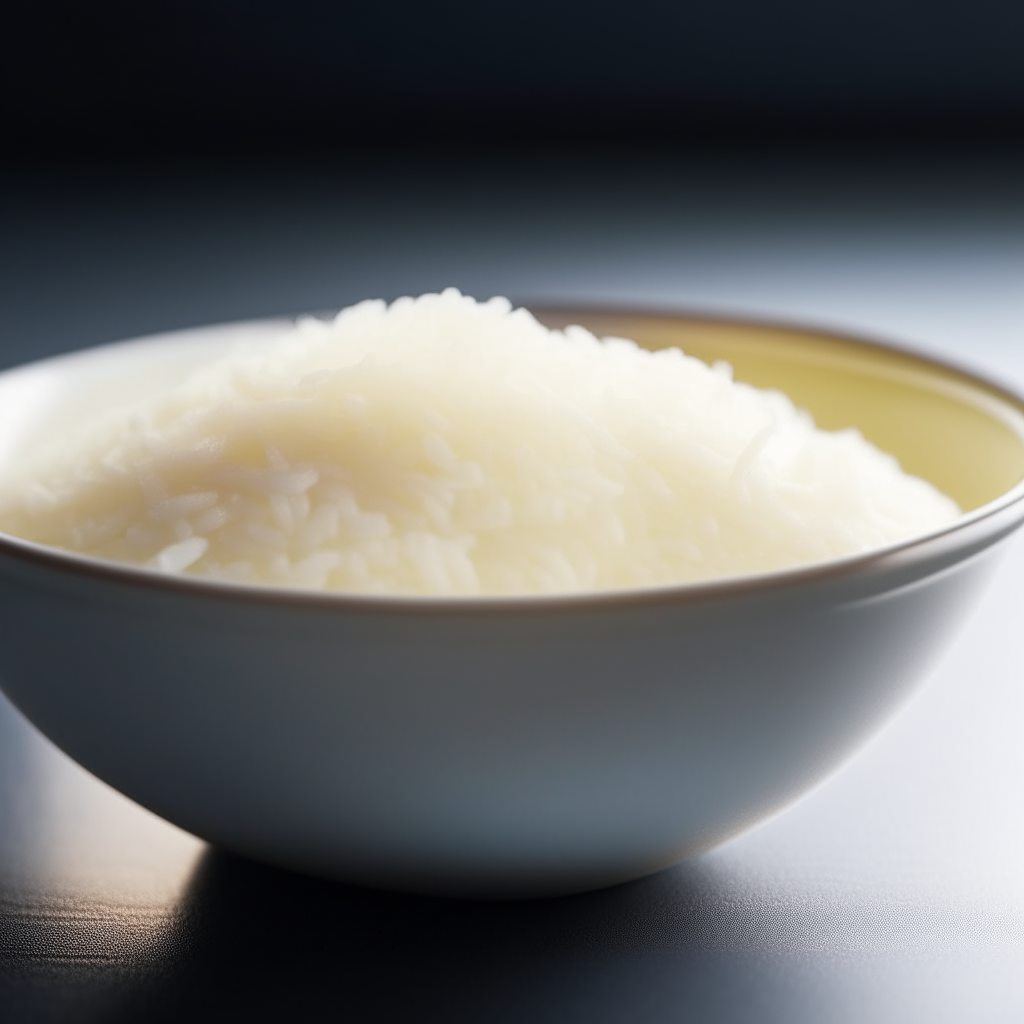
(505, 747)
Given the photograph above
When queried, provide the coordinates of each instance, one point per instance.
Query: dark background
(187, 77)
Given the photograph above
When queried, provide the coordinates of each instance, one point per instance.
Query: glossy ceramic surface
(505, 747)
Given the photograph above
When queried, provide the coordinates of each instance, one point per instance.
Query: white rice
(444, 446)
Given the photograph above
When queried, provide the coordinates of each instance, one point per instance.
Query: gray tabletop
(894, 892)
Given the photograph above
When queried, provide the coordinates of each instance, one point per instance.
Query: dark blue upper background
(258, 75)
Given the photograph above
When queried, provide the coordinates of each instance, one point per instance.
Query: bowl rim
(962, 534)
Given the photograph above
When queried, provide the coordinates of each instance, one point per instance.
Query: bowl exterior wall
(521, 754)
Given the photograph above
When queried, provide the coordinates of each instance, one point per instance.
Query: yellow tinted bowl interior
(962, 434)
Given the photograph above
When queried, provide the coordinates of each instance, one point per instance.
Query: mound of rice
(444, 446)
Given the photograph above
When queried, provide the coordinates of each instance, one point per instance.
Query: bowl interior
(962, 434)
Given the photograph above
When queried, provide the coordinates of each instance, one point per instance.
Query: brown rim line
(916, 550)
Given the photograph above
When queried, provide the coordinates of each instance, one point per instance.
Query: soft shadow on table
(258, 944)
(110, 916)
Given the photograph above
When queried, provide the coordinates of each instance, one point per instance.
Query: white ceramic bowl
(504, 747)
